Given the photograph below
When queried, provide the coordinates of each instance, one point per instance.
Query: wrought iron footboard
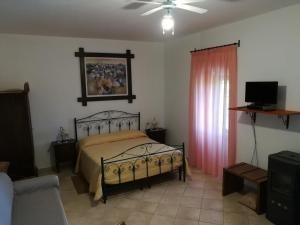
(146, 154)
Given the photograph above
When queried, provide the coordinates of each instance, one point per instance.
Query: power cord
(254, 159)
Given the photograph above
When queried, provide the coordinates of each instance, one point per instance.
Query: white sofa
(33, 201)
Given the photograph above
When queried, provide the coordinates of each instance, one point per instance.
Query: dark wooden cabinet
(63, 152)
(157, 134)
(16, 140)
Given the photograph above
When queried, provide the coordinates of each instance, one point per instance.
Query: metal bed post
(75, 125)
(147, 168)
(139, 125)
(104, 194)
(183, 162)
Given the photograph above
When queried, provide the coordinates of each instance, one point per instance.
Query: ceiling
(108, 18)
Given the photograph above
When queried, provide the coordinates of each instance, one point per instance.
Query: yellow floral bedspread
(89, 162)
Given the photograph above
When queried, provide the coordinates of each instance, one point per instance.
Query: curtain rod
(203, 49)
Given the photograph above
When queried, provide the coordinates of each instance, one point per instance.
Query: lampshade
(167, 23)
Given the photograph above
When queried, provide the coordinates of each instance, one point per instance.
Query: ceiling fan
(167, 5)
(171, 4)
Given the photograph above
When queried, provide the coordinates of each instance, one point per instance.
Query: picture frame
(105, 76)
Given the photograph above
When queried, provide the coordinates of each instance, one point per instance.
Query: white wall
(269, 51)
(270, 47)
(49, 65)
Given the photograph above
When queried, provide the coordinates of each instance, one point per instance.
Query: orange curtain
(212, 127)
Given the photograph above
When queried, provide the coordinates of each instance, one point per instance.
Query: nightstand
(157, 134)
(63, 152)
(4, 166)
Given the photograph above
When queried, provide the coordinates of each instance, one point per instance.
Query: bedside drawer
(63, 152)
(158, 134)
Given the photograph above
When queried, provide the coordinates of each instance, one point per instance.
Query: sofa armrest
(37, 183)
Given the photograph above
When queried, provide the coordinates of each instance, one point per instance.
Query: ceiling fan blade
(188, 1)
(191, 8)
(148, 2)
(152, 11)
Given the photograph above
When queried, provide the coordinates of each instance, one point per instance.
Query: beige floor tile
(116, 215)
(234, 196)
(68, 196)
(161, 220)
(166, 210)
(158, 189)
(175, 190)
(201, 194)
(138, 218)
(66, 184)
(212, 194)
(171, 199)
(72, 220)
(211, 216)
(175, 183)
(212, 204)
(191, 202)
(112, 201)
(188, 213)
(248, 211)
(78, 204)
(137, 195)
(105, 223)
(199, 177)
(152, 197)
(127, 203)
(204, 223)
(235, 219)
(193, 192)
(210, 178)
(147, 207)
(213, 185)
(259, 220)
(185, 222)
(95, 213)
(232, 206)
(196, 184)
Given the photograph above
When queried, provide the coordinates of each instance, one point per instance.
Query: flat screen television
(261, 92)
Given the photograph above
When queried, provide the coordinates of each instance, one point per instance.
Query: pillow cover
(110, 137)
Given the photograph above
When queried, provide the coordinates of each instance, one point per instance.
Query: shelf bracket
(285, 120)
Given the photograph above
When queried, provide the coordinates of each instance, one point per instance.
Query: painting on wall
(105, 76)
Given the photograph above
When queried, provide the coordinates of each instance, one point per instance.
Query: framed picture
(105, 76)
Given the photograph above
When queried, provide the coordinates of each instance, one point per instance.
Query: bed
(114, 152)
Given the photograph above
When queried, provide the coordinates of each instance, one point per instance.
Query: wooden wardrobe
(16, 140)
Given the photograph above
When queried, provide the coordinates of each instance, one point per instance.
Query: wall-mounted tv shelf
(281, 113)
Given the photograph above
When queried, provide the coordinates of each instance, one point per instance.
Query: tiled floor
(197, 202)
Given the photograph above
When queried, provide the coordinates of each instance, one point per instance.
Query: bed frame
(107, 122)
(113, 120)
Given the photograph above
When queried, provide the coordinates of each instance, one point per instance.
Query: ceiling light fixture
(168, 23)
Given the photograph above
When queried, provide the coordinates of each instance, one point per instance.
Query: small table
(157, 134)
(233, 181)
(63, 152)
(4, 166)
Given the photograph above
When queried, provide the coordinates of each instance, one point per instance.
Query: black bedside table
(157, 134)
(63, 152)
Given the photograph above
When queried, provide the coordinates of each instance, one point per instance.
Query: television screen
(262, 93)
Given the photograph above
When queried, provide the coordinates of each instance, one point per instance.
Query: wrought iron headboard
(105, 121)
